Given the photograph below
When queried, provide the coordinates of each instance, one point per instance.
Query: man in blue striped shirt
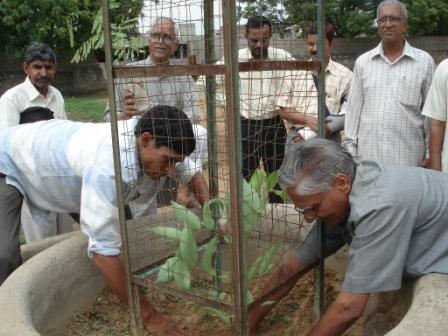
(65, 166)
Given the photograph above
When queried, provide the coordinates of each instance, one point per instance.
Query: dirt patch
(107, 316)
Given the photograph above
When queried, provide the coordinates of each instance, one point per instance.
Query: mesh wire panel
(184, 248)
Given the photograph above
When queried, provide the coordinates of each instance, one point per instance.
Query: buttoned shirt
(396, 227)
(20, 97)
(259, 89)
(436, 105)
(384, 120)
(68, 167)
(177, 91)
(299, 92)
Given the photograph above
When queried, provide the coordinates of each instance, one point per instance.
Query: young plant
(179, 267)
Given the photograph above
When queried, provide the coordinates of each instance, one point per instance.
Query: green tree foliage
(24, 21)
(63, 24)
(352, 18)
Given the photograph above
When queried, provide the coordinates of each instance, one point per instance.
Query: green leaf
(258, 179)
(214, 294)
(280, 193)
(216, 312)
(182, 275)
(188, 250)
(249, 297)
(207, 213)
(272, 180)
(252, 274)
(166, 232)
(250, 217)
(207, 258)
(186, 216)
(252, 197)
(166, 273)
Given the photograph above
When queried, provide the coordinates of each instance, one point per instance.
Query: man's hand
(114, 274)
(185, 197)
(161, 325)
(129, 106)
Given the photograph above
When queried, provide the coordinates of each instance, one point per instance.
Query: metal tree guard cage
(217, 276)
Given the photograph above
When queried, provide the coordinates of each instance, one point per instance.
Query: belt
(2, 175)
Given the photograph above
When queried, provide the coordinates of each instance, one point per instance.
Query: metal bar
(287, 283)
(211, 69)
(188, 295)
(319, 274)
(233, 126)
(210, 90)
(134, 309)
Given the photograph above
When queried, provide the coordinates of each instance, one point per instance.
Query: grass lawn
(85, 108)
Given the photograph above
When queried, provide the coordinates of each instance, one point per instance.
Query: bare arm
(292, 115)
(436, 139)
(114, 274)
(196, 190)
(342, 313)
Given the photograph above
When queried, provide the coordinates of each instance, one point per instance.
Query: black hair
(39, 51)
(170, 127)
(35, 113)
(329, 31)
(257, 22)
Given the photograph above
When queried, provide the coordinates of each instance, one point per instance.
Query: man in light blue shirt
(68, 167)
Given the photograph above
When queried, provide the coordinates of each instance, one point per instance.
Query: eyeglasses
(311, 211)
(157, 37)
(391, 18)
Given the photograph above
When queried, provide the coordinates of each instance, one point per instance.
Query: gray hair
(39, 51)
(311, 166)
(171, 21)
(404, 12)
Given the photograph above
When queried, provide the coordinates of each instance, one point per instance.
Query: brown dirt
(107, 316)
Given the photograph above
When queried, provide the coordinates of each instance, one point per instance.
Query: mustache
(43, 77)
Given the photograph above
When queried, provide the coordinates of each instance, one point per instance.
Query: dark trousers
(10, 206)
(263, 140)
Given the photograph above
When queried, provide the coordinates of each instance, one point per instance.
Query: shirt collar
(407, 51)
(32, 92)
(331, 67)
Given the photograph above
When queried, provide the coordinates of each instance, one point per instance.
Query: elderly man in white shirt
(68, 167)
(36, 91)
(390, 83)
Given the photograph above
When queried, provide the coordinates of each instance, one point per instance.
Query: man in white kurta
(40, 67)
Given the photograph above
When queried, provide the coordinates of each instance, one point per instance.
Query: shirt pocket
(409, 91)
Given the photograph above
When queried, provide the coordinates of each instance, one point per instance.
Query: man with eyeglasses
(263, 132)
(390, 83)
(393, 218)
(136, 95)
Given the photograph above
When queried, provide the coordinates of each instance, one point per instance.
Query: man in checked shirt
(390, 83)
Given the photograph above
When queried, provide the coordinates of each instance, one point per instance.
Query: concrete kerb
(45, 292)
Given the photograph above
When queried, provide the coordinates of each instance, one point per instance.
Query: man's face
(391, 25)
(311, 41)
(156, 162)
(41, 74)
(258, 41)
(331, 207)
(162, 42)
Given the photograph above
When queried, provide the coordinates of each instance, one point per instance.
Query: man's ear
(343, 183)
(25, 67)
(146, 139)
